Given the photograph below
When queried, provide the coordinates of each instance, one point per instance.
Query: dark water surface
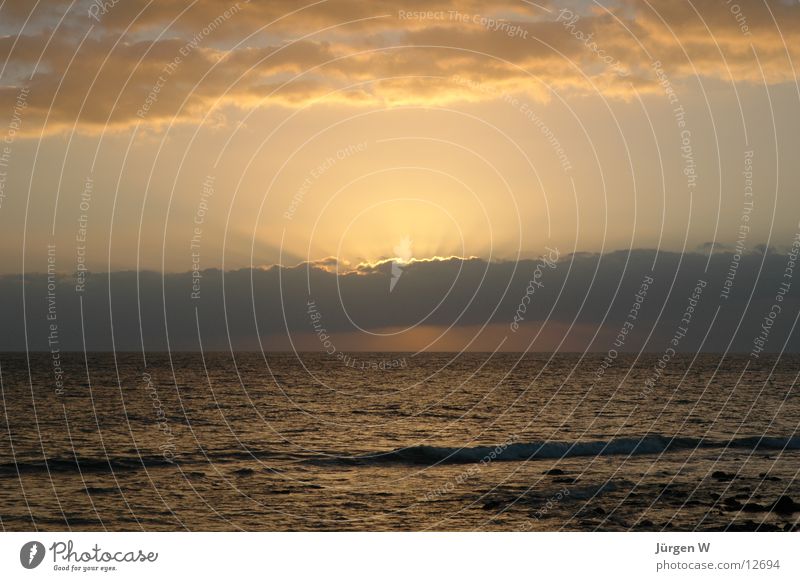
(398, 442)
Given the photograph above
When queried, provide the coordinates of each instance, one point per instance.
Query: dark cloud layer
(593, 293)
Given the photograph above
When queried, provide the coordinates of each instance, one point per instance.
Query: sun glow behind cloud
(338, 129)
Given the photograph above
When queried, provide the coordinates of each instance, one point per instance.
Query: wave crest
(651, 444)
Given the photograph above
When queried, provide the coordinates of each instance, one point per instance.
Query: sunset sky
(170, 136)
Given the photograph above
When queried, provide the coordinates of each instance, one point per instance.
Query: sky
(371, 142)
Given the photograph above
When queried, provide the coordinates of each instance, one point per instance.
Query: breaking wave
(652, 444)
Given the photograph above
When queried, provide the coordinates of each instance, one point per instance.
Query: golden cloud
(160, 62)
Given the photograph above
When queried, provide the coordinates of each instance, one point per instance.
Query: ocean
(398, 441)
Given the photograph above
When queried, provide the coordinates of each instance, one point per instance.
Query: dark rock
(748, 526)
(554, 472)
(565, 480)
(732, 504)
(724, 476)
(493, 504)
(765, 476)
(785, 505)
(754, 507)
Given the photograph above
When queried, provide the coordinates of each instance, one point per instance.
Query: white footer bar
(382, 556)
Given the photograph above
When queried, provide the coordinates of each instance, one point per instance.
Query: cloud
(582, 302)
(104, 81)
(750, 41)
